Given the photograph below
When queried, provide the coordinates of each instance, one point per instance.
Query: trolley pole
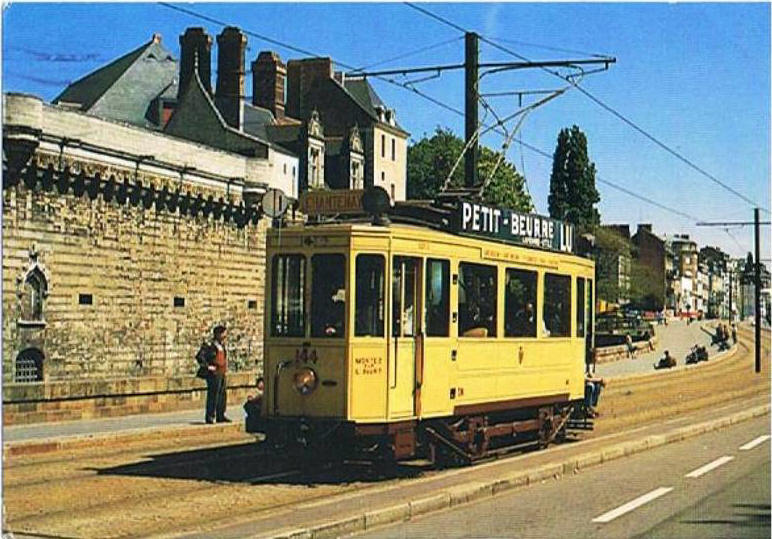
(757, 288)
(470, 114)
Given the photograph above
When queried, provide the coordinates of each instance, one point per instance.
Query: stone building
(651, 252)
(122, 247)
(685, 266)
(613, 264)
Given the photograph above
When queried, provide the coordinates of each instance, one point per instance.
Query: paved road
(702, 487)
(677, 337)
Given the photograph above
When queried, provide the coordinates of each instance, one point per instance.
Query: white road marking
(272, 476)
(708, 467)
(754, 443)
(629, 506)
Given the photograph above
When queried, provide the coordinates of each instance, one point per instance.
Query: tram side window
(328, 295)
(437, 297)
(288, 280)
(369, 296)
(557, 305)
(477, 289)
(520, 303)
(580, 307)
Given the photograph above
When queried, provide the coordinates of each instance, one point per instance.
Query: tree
(572, 184)
(430, 159)
(647, 292)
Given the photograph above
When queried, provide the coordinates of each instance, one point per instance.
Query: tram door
(405, 348)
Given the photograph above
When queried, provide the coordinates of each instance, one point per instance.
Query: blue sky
(696, 76)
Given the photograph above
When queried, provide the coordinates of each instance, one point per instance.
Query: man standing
(215, 382)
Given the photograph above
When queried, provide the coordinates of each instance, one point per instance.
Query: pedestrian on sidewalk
(734, 333)
(217, 361)
(630, 347)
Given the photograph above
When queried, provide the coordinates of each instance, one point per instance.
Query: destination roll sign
(511, 226)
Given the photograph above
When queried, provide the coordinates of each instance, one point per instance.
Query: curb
(473, 491)
(80, 441)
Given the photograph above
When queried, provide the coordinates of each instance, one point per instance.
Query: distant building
(717, 267)
(685, 269)
(318, 129)
(613, 265)
(651, 253)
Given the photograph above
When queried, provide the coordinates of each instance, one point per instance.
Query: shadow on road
(255, 464)
(757, 517)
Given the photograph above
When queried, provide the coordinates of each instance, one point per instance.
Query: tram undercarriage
(450, 441)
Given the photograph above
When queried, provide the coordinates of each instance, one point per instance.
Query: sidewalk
(96, 427)
(676, 337)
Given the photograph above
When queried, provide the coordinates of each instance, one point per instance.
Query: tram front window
(288, 315)
(369, 296)
(557, 305)
(328, 296)
(476, 300)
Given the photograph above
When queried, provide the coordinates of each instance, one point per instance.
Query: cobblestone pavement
(677, 337)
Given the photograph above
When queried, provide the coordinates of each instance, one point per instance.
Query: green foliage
(430, 159)
(647, 290)
(572, 183)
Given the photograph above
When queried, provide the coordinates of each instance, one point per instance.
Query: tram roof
(397, 226)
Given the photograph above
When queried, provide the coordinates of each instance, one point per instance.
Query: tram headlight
(305, 381)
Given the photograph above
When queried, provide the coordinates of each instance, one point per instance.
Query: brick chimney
(195, 48)
(268, 78)
(231, 47)
(301, 76)
(646, 227)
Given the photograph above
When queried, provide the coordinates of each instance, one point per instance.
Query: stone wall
(157, 282)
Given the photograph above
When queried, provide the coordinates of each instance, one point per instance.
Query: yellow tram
(415, 337)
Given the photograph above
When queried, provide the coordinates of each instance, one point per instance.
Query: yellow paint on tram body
(382, 378)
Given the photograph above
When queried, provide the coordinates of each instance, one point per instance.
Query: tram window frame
(328, 321)
(376, 328)
(491, 326)
(531, 293)
(548, 309)
(438, 317)
(286, 329)
(581, 306)
(403, 316)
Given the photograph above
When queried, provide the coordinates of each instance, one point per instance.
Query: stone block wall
(132, 262)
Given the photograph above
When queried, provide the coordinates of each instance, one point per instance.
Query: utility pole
(757, 288)
(730, 292)
(471, 96)
(756, 275)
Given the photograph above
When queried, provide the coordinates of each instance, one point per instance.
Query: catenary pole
(471, 100)
(757, 291)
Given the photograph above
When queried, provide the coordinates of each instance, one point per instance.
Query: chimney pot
(269, 76)
(195, 53)
(231, 47)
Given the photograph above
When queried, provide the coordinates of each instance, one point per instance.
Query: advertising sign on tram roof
(504, 224)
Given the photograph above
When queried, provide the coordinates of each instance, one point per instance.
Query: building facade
(122, 248)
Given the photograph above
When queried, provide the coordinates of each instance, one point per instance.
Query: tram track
(142, 492)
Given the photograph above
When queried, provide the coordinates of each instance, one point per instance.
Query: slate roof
(124, 88)
(256, 119)
(364, 94)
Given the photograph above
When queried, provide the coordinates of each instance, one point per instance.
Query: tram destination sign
(510, 226)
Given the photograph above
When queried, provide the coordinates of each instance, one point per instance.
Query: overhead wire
(429, 98)
(600, 103)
